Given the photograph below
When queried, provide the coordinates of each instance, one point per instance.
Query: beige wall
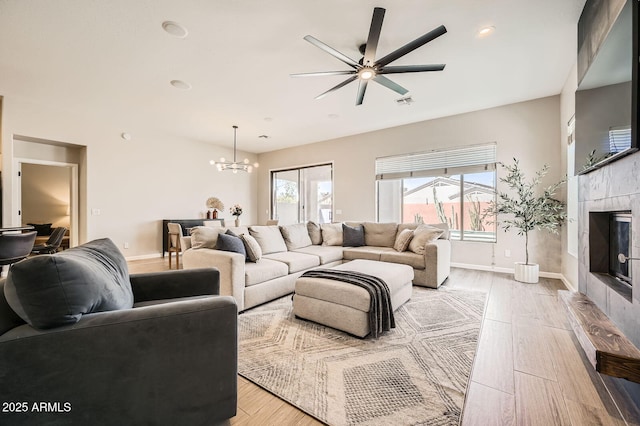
(528, 130)
(135, 184)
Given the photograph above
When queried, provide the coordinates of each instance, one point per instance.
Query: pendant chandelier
(234, 165)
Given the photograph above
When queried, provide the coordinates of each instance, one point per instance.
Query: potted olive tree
(526, 207)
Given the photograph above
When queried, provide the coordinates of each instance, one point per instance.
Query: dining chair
(175, 232)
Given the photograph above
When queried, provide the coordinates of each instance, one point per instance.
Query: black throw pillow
(352, 236)
(227, 242)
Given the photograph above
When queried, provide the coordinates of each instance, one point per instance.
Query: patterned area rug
(416, 374)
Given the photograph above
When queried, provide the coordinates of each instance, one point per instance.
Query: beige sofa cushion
(367, 253)
(296, 236)
(326, 254)
(422, 235)
(403, 239)
(296, 262)
(205, 237)
(413, 226)
(315, 233)
(265, 270)
(269, 238)
(410, 258)
(331, 234)
(380, 234)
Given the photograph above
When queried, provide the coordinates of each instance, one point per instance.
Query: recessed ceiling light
(179, 84)
(485, 31)
(268, 119)
(263, 137)
(175, 29)
(126, 136)
(333, 116)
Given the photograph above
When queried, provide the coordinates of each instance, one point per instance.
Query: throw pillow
(331, 234)
(205, 236)
(422, 235)
(445, 227)
(230, 242)
(380, 234)
(352, 236)
(269, 238)
(53, 290)
(315, 233)
(254, 252)
(403, 239)
(295, 236)
(43, 229)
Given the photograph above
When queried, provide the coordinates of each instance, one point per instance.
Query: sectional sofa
(261, 263)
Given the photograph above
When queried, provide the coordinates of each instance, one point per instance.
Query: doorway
(48, 194)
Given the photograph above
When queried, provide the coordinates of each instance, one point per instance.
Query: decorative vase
(215, 214)
(237, 221)
(526, 273)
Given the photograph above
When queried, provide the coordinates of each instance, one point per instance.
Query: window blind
(619, 139)
(445, 162)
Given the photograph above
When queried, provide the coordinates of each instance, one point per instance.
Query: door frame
(16, 215)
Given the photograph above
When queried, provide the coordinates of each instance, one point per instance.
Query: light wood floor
(528, 369)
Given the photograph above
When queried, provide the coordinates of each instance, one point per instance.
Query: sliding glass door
(302, 194)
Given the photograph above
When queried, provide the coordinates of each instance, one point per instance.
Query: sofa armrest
(437, 260)
(174, 363)
(175, 284)
(229, 264)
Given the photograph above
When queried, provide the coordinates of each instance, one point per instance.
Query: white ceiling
(113, 58)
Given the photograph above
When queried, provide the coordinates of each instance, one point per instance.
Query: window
(452, 186)
(302, 194)
(619, 139)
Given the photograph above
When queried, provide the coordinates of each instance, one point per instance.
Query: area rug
(416, 374)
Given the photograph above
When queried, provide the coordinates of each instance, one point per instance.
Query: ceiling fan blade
(390, 84)
(334, 88)
(322, 73)
(331, 51)
(411, 46)
(374, 36)
(362, 87)
(411, 68)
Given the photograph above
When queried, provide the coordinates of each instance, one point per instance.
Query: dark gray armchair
(170, 360)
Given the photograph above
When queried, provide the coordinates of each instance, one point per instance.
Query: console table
(186, 224)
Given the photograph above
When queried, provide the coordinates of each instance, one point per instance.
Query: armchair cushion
(54, 290)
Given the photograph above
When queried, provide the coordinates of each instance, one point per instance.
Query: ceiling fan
(370, 69)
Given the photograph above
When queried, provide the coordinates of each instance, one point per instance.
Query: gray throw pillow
(352, 236)
(53, 290)
(231, 242)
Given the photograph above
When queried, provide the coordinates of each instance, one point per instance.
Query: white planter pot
(526, 273)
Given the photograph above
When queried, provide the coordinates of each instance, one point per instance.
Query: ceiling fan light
(256, 165)
(246, 161)
(366, 73)
(249, 169)
(222, 159)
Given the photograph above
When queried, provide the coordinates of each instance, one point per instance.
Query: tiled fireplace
(609, 203)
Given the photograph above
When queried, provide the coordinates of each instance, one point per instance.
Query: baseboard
(143, 257)
(554, 275)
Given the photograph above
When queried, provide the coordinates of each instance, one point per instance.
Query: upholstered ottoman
(345, 306)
